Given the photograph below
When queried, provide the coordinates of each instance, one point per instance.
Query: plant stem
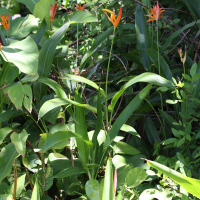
(107, 81)
(76, 50)
(158, 50)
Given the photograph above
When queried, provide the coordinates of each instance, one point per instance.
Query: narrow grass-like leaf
(54, 103)
(190, 184)
(165, 70)
(126, 113)
(108, 182)
(95, 45)
(84, 80)
(36, 192)
(142, 36)
(151, 131)
(46, 59)
(81, 129)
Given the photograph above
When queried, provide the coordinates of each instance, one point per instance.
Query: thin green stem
(76, 50)
(158, 50)
(107, 80)
(184, 68)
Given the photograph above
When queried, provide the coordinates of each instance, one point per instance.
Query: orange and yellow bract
(155, 13)
(112, 17)
(52, 12)
(5, 22)
(183, 59)
(78, 7)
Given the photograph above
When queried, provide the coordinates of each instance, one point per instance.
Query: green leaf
(175, 34)
(24, 54)
(124, 148)
(54, 85)
(151, 131)
(95, 45)
(80, 16)
(92, 189)
(41, 10)
(70, 171)
(7, 156)
(142, 36)
(19, 140)
(6, 197)
(58, 140)
(86, 81)
(20, 186)
(193, 69)
(46, 58)
(121, 193)
(30, 4)
(53, 103)
(189, 184)
(126, 113)
(81, 129)
(149, 78)
(10, 114)
(22, 26)
(36, 192)
(165, 70)
(3, 133)
(108, 182)
(135, 177)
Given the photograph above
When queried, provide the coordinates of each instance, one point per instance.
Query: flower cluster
(5, 22)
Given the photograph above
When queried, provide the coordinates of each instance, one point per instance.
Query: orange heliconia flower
(52, 12)
(155, 13)
(78, 7)
(5, 21)
(181, 54)
(112, 17)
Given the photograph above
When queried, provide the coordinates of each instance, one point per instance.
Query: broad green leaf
(9, 114)
(51, 104)
(19, 140)
(7, 156)
(124, 148)
(58, 140)
(41, 10)
(80, 16)
(92, 189)
(121, 193)
(81, 129)
(129, 129)
(84, 80)
(30, 4)
(190, 184)
(108, 182)
(16, 94)
(70, 171)
(29, 78)
(151, 131)
(20, 186)
(36, 192)
(135, 177)
(46, 58)
(142, 36)
(3, 133)
(126, 113)
(164, 68)
(24, 54)
(150, 194)
(95, 45)
(6, 197)
(22, 26)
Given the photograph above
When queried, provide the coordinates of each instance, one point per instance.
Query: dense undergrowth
(99, 100)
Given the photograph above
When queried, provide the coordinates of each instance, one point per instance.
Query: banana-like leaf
(30, 4)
